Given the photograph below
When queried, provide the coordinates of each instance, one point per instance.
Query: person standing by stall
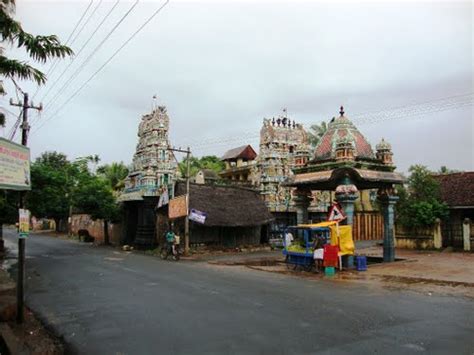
(318, 254)
(288, 239)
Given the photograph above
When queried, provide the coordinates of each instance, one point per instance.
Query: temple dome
(341, 129)
(383, 145)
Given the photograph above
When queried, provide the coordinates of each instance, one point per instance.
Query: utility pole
(186, 221)
(25, 127)
(188, 177)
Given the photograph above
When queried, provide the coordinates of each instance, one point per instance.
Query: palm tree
(115, 174)
(316, 132)
(39, 48)
(94, 159)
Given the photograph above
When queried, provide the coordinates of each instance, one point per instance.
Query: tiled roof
(339, 128)
(457, 189)
(245, 151)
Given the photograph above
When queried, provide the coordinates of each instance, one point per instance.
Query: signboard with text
(14, 166)
(197, 216)
(24, 226)
(178, 207)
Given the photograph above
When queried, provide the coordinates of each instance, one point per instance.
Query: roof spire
(342, 111)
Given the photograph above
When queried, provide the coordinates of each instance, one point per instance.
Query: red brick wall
(96, 228)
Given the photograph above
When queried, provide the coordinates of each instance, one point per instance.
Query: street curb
(14, 345)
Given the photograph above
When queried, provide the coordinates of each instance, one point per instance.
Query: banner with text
(197, 216)
(14, 166)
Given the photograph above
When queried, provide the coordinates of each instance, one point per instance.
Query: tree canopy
(114, 174)
(420, 202)
(316, 132)
(39, 48)
(58, 184)
(210, 162)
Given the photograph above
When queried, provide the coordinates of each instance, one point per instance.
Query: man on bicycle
(170, 240)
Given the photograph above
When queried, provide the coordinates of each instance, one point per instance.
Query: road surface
(105, 301)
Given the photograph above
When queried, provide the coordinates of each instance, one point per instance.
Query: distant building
(239, 165)
(153, 173)
(206, 176)
(457, 191)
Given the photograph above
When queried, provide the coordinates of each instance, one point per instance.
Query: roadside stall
(301, 241)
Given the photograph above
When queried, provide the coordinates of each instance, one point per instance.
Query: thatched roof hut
(227, 206)
(234, 215)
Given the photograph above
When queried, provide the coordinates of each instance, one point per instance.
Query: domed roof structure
(341, 129)
(383, 145)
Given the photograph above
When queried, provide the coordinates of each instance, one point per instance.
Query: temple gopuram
(345, 164)
(283, 147)
(153, 173)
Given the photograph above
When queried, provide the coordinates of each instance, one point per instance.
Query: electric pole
(188, 177)
(25, 128)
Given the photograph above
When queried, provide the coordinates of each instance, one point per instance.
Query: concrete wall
(420, 238)
(96, 228)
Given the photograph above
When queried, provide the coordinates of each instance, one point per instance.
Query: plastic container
(361, 263)
(329, 271)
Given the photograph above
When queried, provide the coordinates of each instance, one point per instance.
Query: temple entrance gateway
(344, 162)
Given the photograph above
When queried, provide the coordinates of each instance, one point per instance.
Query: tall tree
(420, 203)
(115, 174)
(39, 48)
(316, 132)
(95, 197)
(51, 181)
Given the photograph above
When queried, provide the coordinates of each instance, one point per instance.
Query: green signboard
(14, 166)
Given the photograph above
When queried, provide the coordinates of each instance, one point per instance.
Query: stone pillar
(346, 196)
(302, 201)
(387, 200)
(437, 238)
(466, 234)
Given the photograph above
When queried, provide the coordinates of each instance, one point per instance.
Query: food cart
(300, 253)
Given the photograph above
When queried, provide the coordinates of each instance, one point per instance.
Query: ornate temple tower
(154, 167)
(283, 146)
(153, 172)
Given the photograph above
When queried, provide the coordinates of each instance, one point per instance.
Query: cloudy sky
(403, 71)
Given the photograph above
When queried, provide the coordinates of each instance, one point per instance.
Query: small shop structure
(227, 216)
(303, 242)
(345, 163)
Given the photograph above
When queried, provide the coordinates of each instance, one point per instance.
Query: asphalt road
(104, 301)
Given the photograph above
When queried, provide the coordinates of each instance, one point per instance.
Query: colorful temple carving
(283, 146)
(153, 172)
(344, 163)
(154, 167)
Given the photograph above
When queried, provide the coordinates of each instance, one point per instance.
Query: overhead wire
(53, 65)
(15, 126)
(82, 48)
(86, 22)
(105, 64)
(405, 111)
(94, 51)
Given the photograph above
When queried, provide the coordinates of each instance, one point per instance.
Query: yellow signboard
(14, 166)
(178, 207)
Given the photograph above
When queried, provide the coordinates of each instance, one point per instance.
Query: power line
(53, 65)
(85, 23)
(14, 128)
(107, 62)
(401, 112)
(94, 51)
(82, 48)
